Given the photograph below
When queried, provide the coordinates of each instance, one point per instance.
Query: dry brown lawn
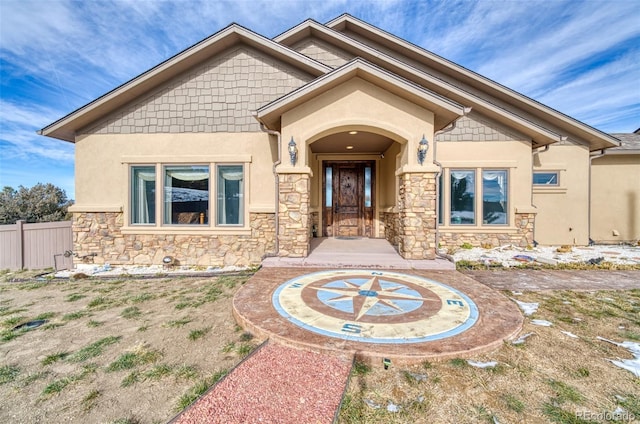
(139, 350)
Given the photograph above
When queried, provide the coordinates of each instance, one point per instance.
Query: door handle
(337, 209)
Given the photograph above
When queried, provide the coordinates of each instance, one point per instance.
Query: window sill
(549, 190)
(188, 230)
(477, 229)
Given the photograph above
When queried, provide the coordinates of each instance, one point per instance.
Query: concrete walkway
(358, 252)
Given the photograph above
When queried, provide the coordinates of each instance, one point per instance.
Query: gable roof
(444, 109)
(66, 127)
(338, 31)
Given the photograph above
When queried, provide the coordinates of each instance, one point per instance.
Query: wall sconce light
(423, 148)
(293, 152)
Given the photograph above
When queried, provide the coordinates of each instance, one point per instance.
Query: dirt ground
(114, 351)
(138, 350)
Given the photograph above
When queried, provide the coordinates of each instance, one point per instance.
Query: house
(241, 147)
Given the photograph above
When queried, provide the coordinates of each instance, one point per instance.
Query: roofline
(169, 68)
(551, 136)
(347, 18)
(355, 65)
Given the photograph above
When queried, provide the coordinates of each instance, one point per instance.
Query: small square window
(545, 178)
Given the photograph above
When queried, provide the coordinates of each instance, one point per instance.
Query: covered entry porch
(356, 162)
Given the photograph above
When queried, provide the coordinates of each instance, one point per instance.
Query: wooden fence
(36, 246)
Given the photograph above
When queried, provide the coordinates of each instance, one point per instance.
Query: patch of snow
(570, 334)
(505, 255)
(527, 308)
(372, 404)
(541, 322)
(108, 270)
(632, 365)
(477, 364)
(521, 339)
(393, 407)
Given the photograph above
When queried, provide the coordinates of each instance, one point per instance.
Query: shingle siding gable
(475, 127)
(216, 96)
(322, 52)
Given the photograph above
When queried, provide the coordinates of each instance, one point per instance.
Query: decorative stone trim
(293, 214)
(522, 236)
(390, 227)
(97, 238)
(417, 215)
(314, 221)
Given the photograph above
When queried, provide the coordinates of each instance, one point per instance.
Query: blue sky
(579, 57)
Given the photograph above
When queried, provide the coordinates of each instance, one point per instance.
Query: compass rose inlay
(374, 306)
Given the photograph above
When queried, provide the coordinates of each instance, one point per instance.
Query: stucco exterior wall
(322, 52)
(102, 164)
(216, 96)
(358, 105)
(615, 198)
(563, 210)
(512, 156)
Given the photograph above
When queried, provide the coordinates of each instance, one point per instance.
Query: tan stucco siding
(322, 52)
(102, 164)
(615, 198)
(216, 96)
(360, 105)
(563, 210)
(513, 156)
(475, 127)
(388, 182)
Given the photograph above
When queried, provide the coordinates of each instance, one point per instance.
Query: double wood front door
(348, 191)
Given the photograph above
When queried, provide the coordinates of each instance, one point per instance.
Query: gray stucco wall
(216, 96)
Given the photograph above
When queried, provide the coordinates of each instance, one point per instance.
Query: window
(367, 187)
(230, 209)
(545, 178)
(143, 195)
(186, 194)
(494, 197)
(441, 199)
(328, 194)
(463, 197)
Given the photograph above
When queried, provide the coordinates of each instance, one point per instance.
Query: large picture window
(494, 197)
(463, 187)
(143, 195)
(186, 194)
(230, 210)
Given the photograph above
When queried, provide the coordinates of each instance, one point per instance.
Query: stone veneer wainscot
(100, 234)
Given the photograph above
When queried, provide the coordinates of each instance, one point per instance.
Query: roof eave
(66, 127)
(597, 139)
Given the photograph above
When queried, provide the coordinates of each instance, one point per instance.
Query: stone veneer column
(293, 213)
(417, 216)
